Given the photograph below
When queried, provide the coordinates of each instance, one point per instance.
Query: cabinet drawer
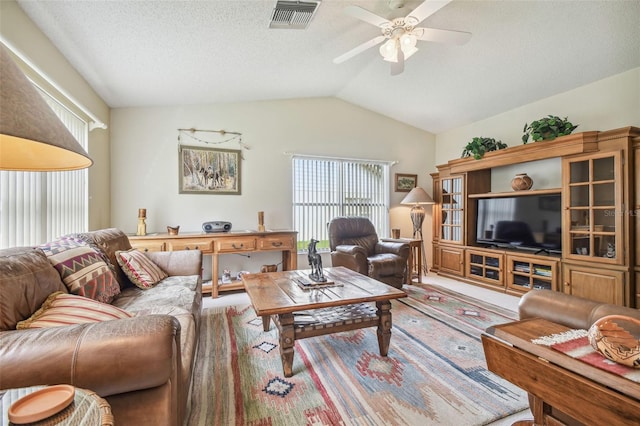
(235, 244)
(148, 245)
(203, 245)
(275, 243)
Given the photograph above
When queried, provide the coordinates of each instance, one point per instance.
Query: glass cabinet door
(452, 209)
(593, 213)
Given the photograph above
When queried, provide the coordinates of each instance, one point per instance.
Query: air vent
(294, 15)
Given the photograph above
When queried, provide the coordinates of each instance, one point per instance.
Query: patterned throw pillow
(62, 309)
(140, 269)
(82, 269)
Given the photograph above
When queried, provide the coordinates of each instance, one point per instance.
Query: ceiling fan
(401, 34)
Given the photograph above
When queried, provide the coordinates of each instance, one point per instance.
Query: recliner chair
(355, 245)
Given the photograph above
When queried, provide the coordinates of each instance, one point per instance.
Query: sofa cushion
(139, 268)
(61, 309)
(180, 292)
(27, 278)
(82, 269)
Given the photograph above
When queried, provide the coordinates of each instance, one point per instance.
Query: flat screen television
(531, 222)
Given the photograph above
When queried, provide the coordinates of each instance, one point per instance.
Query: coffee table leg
(384, 326)
(266, 322)
(287, 339)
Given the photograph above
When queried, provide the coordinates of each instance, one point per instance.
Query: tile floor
(490, 296)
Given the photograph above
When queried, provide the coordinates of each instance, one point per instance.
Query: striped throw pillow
(62, 309)
(140, 269)
(82, 269)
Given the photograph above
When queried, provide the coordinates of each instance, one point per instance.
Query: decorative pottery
(173, 230)
(615, 337)
(521, 182)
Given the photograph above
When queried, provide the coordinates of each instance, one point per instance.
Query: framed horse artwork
(209, 170)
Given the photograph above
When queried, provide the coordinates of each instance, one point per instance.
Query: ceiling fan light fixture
(389, 50)
(408, 51)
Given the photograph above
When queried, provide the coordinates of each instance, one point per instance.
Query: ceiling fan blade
(358, 49)
(398, 67)
(426, 9)
(441, 36)
(366, 16)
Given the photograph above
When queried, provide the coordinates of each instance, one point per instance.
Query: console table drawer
(202, 245)
(275, 243)
(148, 245)
(235, 245)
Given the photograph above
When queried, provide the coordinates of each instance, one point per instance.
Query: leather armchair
(355, 245)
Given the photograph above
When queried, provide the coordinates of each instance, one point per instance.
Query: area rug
(434, 374)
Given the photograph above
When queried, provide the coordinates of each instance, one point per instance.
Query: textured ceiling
(153, 53)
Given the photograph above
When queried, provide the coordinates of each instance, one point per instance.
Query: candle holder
(261, 222)
(142, 225)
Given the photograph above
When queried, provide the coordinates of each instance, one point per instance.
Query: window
(324, 188)
(36, 207)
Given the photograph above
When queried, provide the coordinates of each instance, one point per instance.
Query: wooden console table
(557, 381)
(216, 244)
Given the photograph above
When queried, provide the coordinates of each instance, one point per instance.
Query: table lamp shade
(32, 137)
(416, 197)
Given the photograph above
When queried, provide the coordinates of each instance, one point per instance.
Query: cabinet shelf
(550, 191)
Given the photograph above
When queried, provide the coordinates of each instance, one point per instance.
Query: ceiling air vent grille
(293, 14)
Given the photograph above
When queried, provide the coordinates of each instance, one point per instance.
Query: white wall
(144, 154)
(607, 104)
(18, 31)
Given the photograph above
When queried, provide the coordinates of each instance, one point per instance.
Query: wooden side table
(416, 262)
(87, 408)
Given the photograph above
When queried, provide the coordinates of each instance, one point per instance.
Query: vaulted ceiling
(158, 53)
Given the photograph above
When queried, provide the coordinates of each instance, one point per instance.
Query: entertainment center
(577, 235)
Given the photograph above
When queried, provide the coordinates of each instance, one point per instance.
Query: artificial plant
(547, 129)
(479, 145)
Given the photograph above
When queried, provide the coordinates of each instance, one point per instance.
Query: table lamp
(417, 197)
(32, 137)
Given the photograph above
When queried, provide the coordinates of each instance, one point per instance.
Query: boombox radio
(216, 226)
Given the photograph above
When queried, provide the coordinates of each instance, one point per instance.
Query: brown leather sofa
(142, 365)
(355, 245)
(570, 311)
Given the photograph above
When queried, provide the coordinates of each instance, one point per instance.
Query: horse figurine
(315, 261)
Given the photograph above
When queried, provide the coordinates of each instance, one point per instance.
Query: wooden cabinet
(216, 244)
(452, 203)
(600, 232)
(485, 266)
(451, 260)
(593, 214)
(599, 284)
(526, 273)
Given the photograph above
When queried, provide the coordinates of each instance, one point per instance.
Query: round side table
(87, 408)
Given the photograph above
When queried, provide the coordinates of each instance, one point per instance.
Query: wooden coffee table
(300, 313)
(555, 380)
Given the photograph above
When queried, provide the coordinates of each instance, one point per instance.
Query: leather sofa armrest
(178, 263)
(350, 256)
(570, 311)
(393, 247)
(108, 357)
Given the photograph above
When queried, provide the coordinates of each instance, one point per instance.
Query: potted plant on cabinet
(547, 129)
(480, 145)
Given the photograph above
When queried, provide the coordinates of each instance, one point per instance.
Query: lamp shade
(32, 137)
(417, 196)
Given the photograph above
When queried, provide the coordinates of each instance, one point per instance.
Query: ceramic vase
(521, 182)
(615, 337)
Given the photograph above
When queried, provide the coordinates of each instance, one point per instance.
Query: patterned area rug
(435, 373)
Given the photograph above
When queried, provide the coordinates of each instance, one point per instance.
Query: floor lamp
(418, 197)
(32, 137)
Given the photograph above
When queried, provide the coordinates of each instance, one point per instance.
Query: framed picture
(405, 183)
(209, 170)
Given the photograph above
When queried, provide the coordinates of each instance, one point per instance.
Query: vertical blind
(324, 188)
(36, 207)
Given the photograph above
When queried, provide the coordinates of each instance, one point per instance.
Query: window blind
(324, 188)
(36, 207)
